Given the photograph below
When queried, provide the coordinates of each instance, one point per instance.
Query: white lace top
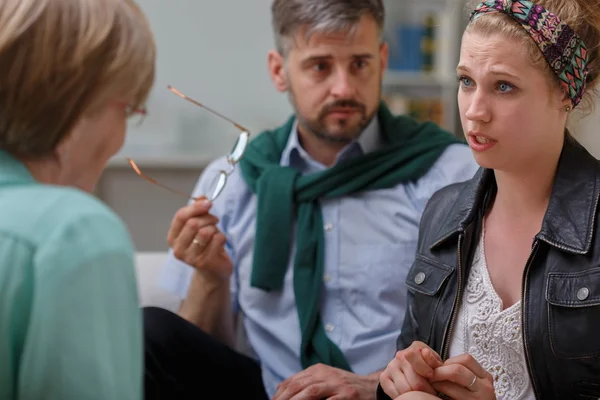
(491, 335)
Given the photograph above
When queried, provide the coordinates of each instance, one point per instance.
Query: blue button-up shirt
(370, 244)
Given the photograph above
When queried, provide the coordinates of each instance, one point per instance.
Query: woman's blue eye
(505, 87)
(465, 81)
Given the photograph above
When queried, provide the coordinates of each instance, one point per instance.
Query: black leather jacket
(561, 281)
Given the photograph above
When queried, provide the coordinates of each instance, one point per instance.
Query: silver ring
(198, 242)
(472, 383)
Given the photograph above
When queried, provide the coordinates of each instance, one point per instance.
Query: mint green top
(70, 324)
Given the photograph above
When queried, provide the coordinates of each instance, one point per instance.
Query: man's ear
(277, 70)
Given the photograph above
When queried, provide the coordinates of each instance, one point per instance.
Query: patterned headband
(562, 47)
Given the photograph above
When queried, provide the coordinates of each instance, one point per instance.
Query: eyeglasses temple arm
(183, 96)
(142, 175)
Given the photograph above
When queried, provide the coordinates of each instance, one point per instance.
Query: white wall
(216, 52)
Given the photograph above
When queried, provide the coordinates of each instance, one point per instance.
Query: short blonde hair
(61, 60)
(582, 16)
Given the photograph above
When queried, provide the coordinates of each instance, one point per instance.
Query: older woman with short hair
(71, 73)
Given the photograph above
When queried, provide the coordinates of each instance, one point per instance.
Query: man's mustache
(343, 104)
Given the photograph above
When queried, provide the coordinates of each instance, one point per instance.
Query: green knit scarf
(284, 194)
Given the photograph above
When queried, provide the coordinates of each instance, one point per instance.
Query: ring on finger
(472, 382)
(198, 242)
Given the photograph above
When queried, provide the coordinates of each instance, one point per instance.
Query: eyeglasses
(131, 110)
(218, 181)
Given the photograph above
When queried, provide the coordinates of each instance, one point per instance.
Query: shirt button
(326, 278)
(420, 278)
(329, 327)
(328, 227)
(583, 293)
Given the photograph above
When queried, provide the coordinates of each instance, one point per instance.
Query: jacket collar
(569, 220)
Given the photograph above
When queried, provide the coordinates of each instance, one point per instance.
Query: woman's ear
(68, 143)
(564, 100)
(567, 103)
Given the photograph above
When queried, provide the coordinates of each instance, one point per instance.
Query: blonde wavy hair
(583, 16)
(61, 60)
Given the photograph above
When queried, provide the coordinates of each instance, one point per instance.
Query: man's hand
(195, 240)
(323, 382)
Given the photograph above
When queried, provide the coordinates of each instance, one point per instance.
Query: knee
(159, 323)
(156, 316)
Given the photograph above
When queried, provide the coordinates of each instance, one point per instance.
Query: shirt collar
(370, 140)
(12, 170)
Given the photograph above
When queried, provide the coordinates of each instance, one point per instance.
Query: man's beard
(318, 126)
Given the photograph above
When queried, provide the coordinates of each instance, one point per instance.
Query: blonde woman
(504, 295)
(71, 73)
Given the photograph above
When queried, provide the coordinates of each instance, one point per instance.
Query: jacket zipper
(450, 325)
(523, 322)
(524, 291)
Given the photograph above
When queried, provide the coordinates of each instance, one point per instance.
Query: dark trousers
(183, 362)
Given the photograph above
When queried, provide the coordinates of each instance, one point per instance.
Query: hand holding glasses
(217, 183)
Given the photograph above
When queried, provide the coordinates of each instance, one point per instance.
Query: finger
(316, 391)
(344, 396)
(192, 226)
(191, 229)
(417, 363)
(431, 358)
(287, 392)
(469, 362)
(294, 385)
(311, 374)
(281, 388)
(215, 246)
(456, 373)
(200, 207)
(389, 387)
(197, 209)
(182, 242)
(417, 382)
(400, 382)
(204, 237)
(452, 390)
(283, 385)
(209, 248)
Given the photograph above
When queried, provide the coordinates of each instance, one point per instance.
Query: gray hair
(321, 16)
